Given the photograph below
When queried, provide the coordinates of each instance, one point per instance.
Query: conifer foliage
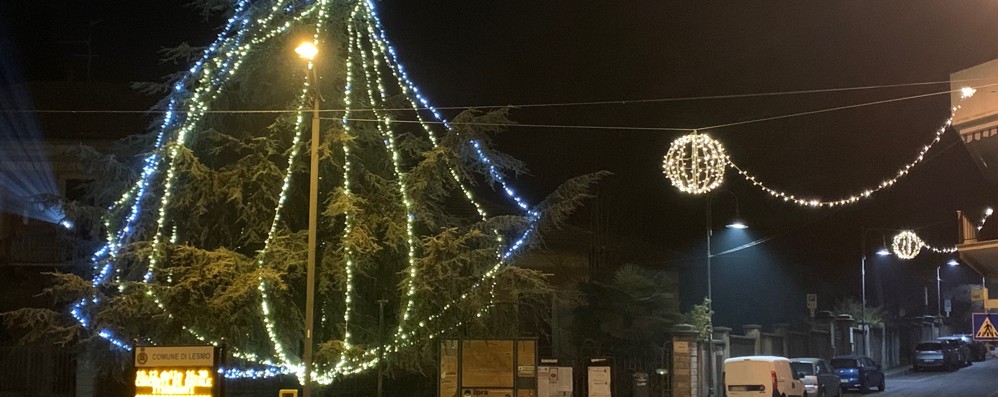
(208, 242)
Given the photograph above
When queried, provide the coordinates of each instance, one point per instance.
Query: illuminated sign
(175, 371)
(174, 382)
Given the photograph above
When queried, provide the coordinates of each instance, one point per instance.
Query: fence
(31, 371)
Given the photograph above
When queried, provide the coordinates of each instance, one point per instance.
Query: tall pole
(710, 311)
(313, 205)
(381, 343)
(862, 276)
(939, 294)
(862, 272)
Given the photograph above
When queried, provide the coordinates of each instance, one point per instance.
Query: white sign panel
(174, 356)
(564, 383)
(599, 381)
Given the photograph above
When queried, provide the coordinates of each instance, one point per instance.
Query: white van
(760, 376)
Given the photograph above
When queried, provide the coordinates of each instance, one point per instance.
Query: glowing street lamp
(307, 50)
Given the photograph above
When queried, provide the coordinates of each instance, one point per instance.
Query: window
(802, 368)
(845, 363)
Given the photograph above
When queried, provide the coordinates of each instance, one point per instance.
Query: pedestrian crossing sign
(984, 327)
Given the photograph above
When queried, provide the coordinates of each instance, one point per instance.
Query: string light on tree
(695, 163)
(371, 64)
(906, 244)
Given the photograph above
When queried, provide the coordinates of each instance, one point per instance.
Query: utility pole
(381, 343)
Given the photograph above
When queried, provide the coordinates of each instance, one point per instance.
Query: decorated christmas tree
(417, 228)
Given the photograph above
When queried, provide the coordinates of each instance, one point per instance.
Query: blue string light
(213, 69)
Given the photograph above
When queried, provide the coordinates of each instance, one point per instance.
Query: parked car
(760, 376)
(818, 377)
(978, 350)
(858, 372)
(933, 355)
(961, 348)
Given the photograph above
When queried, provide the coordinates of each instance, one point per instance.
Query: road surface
(978, 380)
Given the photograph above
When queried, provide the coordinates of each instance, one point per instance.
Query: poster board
(487, 368)
(599, 381)
(554, 381)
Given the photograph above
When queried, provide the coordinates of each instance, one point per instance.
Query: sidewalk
(897, 370)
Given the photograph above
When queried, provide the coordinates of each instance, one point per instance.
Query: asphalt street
(978, 380)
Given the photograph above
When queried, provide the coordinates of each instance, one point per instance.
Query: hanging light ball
(695, 163)
(906, 244)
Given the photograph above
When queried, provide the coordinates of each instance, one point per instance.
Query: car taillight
(773, 373)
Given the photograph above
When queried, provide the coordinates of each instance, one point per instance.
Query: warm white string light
(189, 103)
(108, 253)
(208, 75)
(939, 250)
(819, 202)
(695, 163)
(984, 218)
(906, 244)
(218, 70)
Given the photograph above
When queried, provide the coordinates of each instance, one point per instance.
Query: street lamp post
(939, 294)
(308, 51)
(736, 223)
(862, 271)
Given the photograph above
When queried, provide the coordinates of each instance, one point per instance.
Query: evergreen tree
(628, 314)
(208, 242)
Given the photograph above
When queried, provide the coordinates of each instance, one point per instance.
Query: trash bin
(639, 384)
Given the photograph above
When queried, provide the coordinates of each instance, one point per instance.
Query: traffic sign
(812, 301)
(984, 327)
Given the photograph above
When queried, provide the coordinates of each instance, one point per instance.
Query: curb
(897, 371)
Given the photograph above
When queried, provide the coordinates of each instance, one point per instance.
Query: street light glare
(883, 251)
(737, 224)
(307, 50)
(952, 262)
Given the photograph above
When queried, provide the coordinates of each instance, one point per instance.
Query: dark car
(858, 372)
(818, 377)
(933, 355)
(958, 345)
(978, 351)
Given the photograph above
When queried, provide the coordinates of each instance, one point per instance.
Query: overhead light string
(818, 202)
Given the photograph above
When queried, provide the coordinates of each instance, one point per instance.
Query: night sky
(487, 53)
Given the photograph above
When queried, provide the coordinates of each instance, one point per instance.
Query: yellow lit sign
(194, 382)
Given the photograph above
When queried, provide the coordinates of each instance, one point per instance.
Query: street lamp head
(307, 50)
(737, 223)
(883, 251)
(952, 262)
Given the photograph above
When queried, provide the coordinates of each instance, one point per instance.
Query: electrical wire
(832, 109)
(576, 126)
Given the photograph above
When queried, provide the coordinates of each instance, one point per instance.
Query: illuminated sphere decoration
(906, 244)
(695, 163)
